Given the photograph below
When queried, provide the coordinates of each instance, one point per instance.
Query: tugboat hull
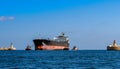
(113, 48)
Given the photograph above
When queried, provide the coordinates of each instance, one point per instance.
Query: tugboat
(114, 46)
(28, 47)
(11, 47)
(75, 48)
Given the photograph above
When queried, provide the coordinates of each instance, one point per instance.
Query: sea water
(81, 59)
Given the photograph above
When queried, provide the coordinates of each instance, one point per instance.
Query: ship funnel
(114, 43)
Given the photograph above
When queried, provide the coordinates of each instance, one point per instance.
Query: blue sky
(90, 24)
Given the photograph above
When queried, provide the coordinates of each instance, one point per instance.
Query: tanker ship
(114, 46)
(60, 42)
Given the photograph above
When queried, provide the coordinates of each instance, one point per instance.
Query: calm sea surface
(82, 59)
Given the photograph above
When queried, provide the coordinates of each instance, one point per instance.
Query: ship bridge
(61, 38)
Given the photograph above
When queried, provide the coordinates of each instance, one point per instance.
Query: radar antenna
(63, 33)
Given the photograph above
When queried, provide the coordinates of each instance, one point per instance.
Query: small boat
(75, 48)
(114, 46)
(28, 47)
(11, 47)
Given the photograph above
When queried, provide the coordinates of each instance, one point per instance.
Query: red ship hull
(53, 48)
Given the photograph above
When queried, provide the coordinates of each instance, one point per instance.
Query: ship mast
(114, 43)
(63, 33)
(11, 45)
